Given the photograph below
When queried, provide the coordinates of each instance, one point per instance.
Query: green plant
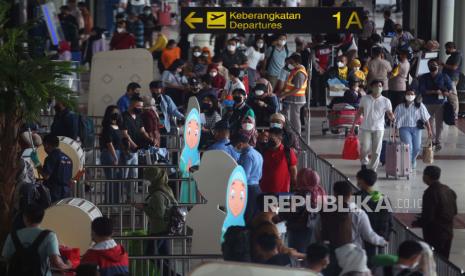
(26, 85)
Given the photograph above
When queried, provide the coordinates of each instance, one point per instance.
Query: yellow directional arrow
(191, 20)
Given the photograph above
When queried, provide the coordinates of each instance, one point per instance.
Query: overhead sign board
(268, 20)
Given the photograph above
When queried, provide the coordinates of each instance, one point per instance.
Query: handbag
(428, 153)
(351, 150)
(421, 124)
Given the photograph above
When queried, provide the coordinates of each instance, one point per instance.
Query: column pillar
(446, 24)
(413, 16)
(460, 38)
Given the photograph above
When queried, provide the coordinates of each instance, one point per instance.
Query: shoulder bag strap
(35, 245)
(17, 243)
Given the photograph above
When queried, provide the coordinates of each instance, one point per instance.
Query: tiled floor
(405, 194)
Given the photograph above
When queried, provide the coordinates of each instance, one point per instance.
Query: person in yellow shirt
(159, 44)
(355, 72)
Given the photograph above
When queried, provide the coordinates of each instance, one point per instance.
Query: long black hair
(417, 102)
(214, 101)
(107, 120)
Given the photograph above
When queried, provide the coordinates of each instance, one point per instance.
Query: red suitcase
(397, 159)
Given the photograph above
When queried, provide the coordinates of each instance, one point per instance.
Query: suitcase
(397, 159)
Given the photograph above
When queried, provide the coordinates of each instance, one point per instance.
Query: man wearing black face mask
(165, 107)
(435, 87)
(134, 131)
(65, 122)
(240, 110)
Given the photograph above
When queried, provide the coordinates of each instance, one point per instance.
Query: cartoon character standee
(190, 155)
(236, 200)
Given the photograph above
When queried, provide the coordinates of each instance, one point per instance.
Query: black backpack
(26, 261)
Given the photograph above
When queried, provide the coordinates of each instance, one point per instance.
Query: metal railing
(329, 175)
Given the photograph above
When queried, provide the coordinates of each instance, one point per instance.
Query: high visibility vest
(290, 85)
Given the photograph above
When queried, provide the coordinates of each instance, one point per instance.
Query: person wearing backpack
(381, 221)
(279, 165)
(64, 122)
(111, 258)
(158, 207)
(57, 170)
(32, 251)
(275, 57)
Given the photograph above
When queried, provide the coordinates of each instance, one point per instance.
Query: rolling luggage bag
(397, 158)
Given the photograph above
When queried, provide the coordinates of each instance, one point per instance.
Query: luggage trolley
(342, 115)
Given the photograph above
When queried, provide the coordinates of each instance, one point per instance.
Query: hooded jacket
(159, 202)
(111, 258)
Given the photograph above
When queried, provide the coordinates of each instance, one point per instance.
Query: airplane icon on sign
(216, 20)
(214, 16)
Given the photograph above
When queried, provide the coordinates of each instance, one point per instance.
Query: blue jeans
(412, 137)
(131, 173)
(112, 189)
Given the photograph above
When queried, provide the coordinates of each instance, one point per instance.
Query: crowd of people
(253, 92)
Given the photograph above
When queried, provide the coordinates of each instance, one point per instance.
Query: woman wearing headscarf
(301, 224)
(264, 103)
(157, 206)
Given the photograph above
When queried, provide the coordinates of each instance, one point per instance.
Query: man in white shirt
(373, 107)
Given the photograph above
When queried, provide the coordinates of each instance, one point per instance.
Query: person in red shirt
(121, 39)
(218, 81)
(279, 165)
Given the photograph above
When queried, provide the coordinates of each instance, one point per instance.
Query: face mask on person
(197, 54)
(239, 45)
(276, 125)
(356, 68)
(272, 144)
(340, 64)
(119, 30)
(247, 126)
(232, 48)
(156, 96)
(290, 67)
(114, 116)
(260, 45)
(207, 106)
(148, 12)
(259, 93)
(410, 98)
(137, 111)
(205, 55)
(213, 74)
(376, 91)
(237, 99)
(282, 42)
(433, 68)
